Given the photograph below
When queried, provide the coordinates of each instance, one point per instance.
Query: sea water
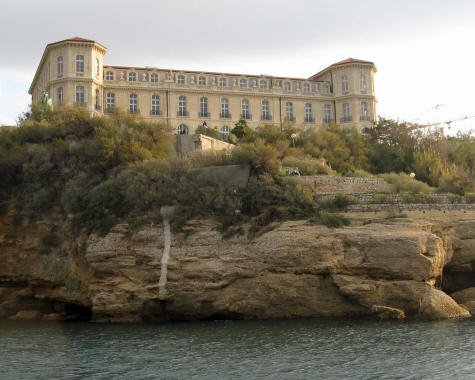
(271, 349)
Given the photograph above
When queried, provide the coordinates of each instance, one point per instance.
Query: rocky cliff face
(387, 269)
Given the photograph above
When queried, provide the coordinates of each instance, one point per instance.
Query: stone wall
(409, 207)
(393, 198)
(191, 143)
(328, 184)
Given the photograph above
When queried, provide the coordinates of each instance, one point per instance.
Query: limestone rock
(385, 312)
(464, 295)
(437, 305)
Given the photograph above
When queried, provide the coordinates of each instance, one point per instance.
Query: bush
(339, 202)
(332, 220)
(359, 173)
(308, 165)
(298, 193)
(404, 183)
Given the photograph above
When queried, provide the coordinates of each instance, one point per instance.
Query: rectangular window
(265, 110)
(325, 89)
(204, 107)
(98, 100)
(60, 95)
(346, 113)
(245, 110)
(327, 113)
(133, 103)
(182, 106)
(110, 100)
(60, 65)
(155, 105)
(308, 113)
(344, 83)
(289, 111)
(80, 95)
(97, 67)
(364, 112)
(362, 82)
(79, 63)
(225, 109)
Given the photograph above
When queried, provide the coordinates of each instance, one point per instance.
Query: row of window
(79, 65)
(345, 83)
(182, 129)
(223, 82)
(182, 107)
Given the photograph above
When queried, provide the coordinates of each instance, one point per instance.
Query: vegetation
(98, 170)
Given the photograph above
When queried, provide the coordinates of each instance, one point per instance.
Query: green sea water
(273, 349)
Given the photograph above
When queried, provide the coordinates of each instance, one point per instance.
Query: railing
(155, 112)
(81, 104)
(204, 114)
(266, 117)
(246, 116)
(327, 120)
(225, 115)
(309, 119)
(345, 119)
(182, 113)
(365, 118)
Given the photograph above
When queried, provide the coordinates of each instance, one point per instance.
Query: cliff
(389, 268)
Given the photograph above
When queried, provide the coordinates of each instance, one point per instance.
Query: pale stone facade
(72, 71)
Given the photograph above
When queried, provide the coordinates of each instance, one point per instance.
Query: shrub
(332, 220)
(298, 193)
(340, 201)
(359, 173)
(404, 182)
(382, 199)
(308, 165)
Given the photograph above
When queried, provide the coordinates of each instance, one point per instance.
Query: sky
(423, 49)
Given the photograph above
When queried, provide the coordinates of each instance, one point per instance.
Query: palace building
(72, 72)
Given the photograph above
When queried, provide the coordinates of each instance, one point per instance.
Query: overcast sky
(424, 49)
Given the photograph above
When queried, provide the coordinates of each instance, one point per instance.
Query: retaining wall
(328, 184)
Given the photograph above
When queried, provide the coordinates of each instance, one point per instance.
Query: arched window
(225, 108)
(225, 130)
(306, 87)
(265, 110)
(344, 83)
(204, 107)
(154, 78)
(155, 111)
(60, 65)
(80, 95)
(287, 86)
(243, 83)
(109, 75)
(132, 77)
(133, 103)
(182, 129)
(245, 110)
(201, 81)
(263, 84)
(222, 82)
(60, 95)
(289, 111)
(308, 113)
(79, 63)
(110, 100)
(181, 79)
(182, 106)
(362, 82)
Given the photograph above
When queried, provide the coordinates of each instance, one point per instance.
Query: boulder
(464, 296)
(385, 312)
(438, 305)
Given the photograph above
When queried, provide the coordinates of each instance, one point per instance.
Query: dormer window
(306, 87)
(181, 79)
(109, 75)
(263, 84)
(60, 65)
(154, 78)
(287, 86)
(325, 89)
(243, 83)
(79, 63)
(222, 82)
(201, 81)
(132, 77)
